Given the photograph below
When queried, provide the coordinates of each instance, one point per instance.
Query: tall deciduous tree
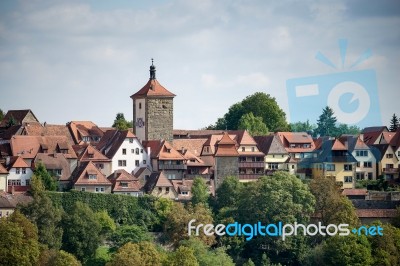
(200, 191)
(54, 257)
(121, 123)
(254, 125)
(182, 256)
(281, 197)
(386, 248)
(227, 195)
(44, 215)
(326, 124)
(261, 105)
(18, 241)
(349, 250)
(394, 123)
(331, 205)
(302, 127)
(129, 233)
(140, 254)
(81, 231)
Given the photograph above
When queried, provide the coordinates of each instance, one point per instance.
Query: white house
(124, 150)
(19, 174)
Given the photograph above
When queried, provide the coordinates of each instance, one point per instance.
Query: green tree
(249, 262)
(349, 250)
(227, 195)
(183, 256)
(18, 241)
(200, 191)
(254, 125)
(44, 215)
(81, 231)
(331, 205)
(281, 197)
(162, 208)
(326, 124)
(140, 254)
(176, 226)
(302, 127)
(1, 115)
(394, 123)
(129, 233)
(386, 248)
(47, 180)
(206, 256)
(52, 257)
(11, 121)
(345, 129)
(261, 105)
(106, 222)
(121, 123)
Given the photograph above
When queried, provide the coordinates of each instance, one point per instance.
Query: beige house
(87, 177)
(388, 162)
(160, 186)
(276, 156)
(3, 178)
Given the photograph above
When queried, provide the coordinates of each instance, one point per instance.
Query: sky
(81, 60)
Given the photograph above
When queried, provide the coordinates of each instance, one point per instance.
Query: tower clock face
(140, 122)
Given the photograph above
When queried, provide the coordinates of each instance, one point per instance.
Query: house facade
(87, 177)
(19, 175)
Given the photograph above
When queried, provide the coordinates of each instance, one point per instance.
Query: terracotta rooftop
(80, 176)
(37, 129)
(124, 182)
(395, 142)
(300, 138)
(157, 179)
(29, 146)
(10, 201)
(17, 162)
(3, 170)
(86, 152)
(162, 150)
(195, 146)
(153, 89)
(270, 144)
(81, 129)
(355, 192)
(338, 146)
(387, 137)
(226, 147)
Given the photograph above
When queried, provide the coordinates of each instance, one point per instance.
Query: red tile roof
(162, 150)
(153, 89)
(376, 213)
(3, 170)
(195, 146)
(29, 146)
(121, 177)
(395, 142)
(37, 129)
(338, 146)
(80, 129)
(17, 162)
(87, 152)
(55, 161)
(301, 138)
(355, 192)
(226, 147)
(80, 176)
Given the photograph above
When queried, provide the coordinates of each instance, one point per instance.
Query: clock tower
(153, 107)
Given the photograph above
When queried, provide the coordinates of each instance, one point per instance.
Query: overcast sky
(81, 60)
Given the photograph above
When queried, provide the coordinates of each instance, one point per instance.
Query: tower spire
(152, 70)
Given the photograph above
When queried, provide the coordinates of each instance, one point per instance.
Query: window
(330, 167)
(171, 176)
(368, 164)
(137, 150)
(83, 189)
(23, 170)
(362, 153)
(359, 176)
(398, 153)
(132, 150)
(17, 171)
(100, 165)
(273, 166)
(124, 184)
(159, 189)
(14, 182)
(389, 155)
(124, 151)
(348, 179)
(358, 164)
(58, 172)
(167, 190)
(27, 182)
(130, 140)
(99, 189)
(136, 162)
(184, 193)
(141, 150)
(348, 167)
(92, 176)
(144, 161)
(292, 166)
(121, 162)
(207, 149)
(243, 149)
(253, 149)
(140, 105)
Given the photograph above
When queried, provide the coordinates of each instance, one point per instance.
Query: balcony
(192, 176)
(172, 166)
(250, 176)
(251, 165)
(391, 170)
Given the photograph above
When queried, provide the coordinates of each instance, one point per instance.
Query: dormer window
(185, 193)
(92, 176)
(90, 155)
(137, 150)
(168, 150)
(124, 184)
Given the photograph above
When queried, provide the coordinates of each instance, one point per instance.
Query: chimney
(361, 136)
(7, 161)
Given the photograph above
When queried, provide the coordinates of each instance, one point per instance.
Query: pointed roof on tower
(153, 88)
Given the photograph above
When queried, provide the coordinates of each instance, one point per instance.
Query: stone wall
(225, 166)
(159, 118)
